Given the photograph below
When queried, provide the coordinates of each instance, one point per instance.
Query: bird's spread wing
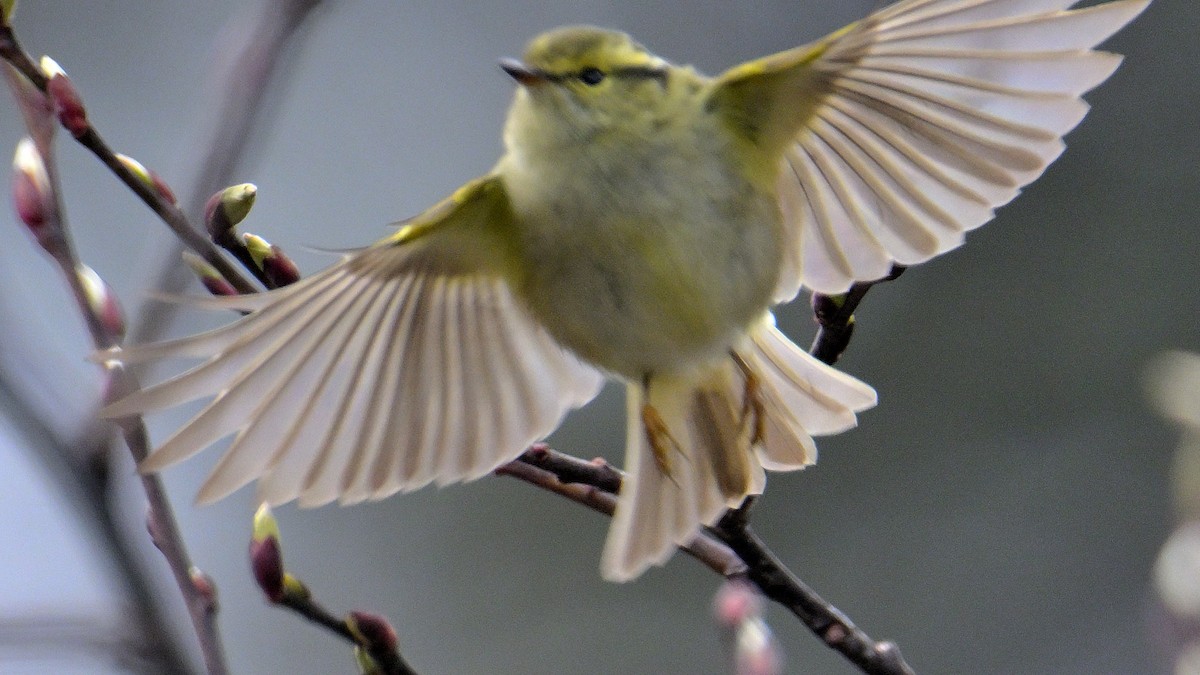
(407, 362)
(907, 129)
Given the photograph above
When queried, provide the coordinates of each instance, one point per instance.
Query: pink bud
(163, 189)
(31, 191)
(209, 276)
(266, 558)
(735, 603)
(374, 631)
(71, 113)
(279, 268)
(267, 562)
(205, 588)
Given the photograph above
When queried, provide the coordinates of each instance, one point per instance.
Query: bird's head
(585, 80)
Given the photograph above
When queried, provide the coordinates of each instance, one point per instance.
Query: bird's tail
(699, 442)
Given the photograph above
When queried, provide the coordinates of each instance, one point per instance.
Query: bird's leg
(754, 412)
(662, 443)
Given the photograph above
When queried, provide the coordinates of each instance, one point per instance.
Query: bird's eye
(591, 76)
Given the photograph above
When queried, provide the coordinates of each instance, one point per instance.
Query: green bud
(265, 524)
(366, 664)
(294, 589)
(137, 169)
(7, 8)
(229, 207)
(259, 248)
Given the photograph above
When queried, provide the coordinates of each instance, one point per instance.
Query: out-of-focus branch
(80, 466)
(37, 196)
(246, 82)
(249, 60)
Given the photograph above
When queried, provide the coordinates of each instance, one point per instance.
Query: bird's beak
(523, 74)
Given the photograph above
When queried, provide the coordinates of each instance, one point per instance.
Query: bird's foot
(662, 443)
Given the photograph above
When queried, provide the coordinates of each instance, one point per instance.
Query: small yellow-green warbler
(640, 224)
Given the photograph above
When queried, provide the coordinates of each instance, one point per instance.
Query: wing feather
(406, 363)
(932, 114)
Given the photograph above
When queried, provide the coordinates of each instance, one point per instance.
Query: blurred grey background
(999, 512)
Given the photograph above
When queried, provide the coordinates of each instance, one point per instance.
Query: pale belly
(665, 275)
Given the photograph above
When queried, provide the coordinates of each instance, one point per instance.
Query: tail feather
(655, 512)
(715, 467)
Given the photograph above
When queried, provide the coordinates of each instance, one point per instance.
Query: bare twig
(779, 584)
(835, 314)
(595, 484)
(729, 548)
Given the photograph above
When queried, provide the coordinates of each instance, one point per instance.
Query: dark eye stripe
(634, 72)
(643, 72)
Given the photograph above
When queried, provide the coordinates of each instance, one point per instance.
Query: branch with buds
(36, 196)
(376, 648)
(47, 98)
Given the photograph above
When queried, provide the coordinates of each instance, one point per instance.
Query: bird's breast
(652, 261)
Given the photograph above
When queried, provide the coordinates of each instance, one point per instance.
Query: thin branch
(730, 549)
(595, 484)
(388, 660)
(166, 210)
(835, 314)
(41, 208)
(84, 476)
(779, 584)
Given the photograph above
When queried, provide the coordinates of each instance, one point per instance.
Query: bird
(640, 225)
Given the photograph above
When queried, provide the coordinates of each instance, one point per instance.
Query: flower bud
(32, 195)
(372, 631)
(294, 590)
(67, 103)
(227, 208)
(209, 276)
(205, 588)
(258, 247)
(7, 7)
(147, 177)
(277, 267)
(102, 302)
(266, 557)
